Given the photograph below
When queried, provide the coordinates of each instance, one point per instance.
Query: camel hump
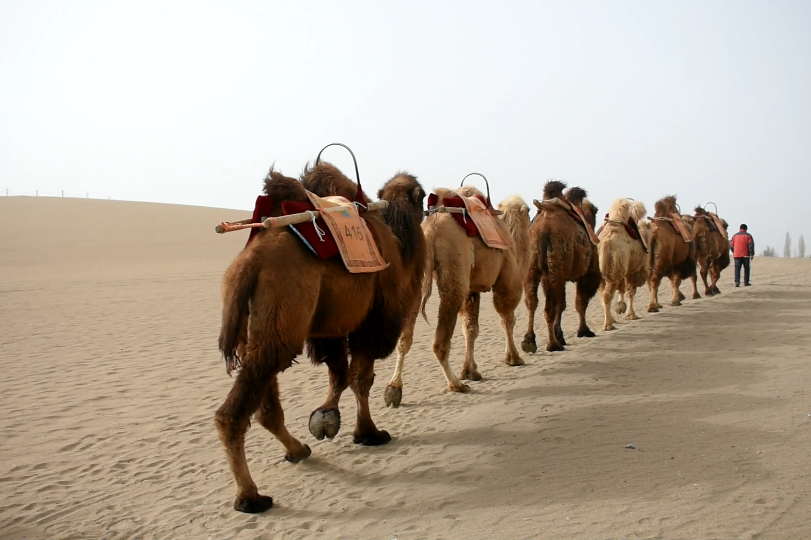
(553, 189)
(283, 188)
(326, 180)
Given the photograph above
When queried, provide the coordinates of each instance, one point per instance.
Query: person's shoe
(747, 284)
(737, 284)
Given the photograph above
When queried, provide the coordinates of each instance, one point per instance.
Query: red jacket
(742, 244)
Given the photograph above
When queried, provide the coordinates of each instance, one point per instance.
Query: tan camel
(712, 248)
(464, 267)
(624, 261)
(670, 254)
(561, 251)
(294, 298)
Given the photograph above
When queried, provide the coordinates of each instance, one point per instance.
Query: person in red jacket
(742, 246)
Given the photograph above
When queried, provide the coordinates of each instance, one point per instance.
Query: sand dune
(110, 314)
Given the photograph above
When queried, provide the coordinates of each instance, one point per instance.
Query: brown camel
(294, 298)
(464, 267)
(624, 262)
(670, 254)
(712, 247)
(561, 251)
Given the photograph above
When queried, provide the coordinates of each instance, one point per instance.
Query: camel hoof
(675, 303)
(375, 439)
(681, 296)
(716, 290)
(325, 423)
(653, 310)
(290, 458)
(609, 328)
(696, 296)
(511, 360)
(462, 389)
(554, 348)
(708, 292)
(257, 505)
(621, 307)
(585, 333)
(392, 396)
(630, 317)
(470, 375)
(529, 347)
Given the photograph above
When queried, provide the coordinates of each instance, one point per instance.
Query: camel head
(665, 206)
(405, 211)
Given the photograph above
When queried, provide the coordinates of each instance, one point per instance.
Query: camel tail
(427, 277)
(238, 287)
(543, 246)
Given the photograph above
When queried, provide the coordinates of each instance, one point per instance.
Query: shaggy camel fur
(561, 252)
(464, 267)
(277, 295)
(712, 250)
(624, 264)
(670, 255)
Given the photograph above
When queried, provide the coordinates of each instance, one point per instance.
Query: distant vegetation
(769, 252)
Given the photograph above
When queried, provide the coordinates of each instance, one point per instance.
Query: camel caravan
(332, 273)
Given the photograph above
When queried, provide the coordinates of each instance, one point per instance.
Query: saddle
(680, 228)
(631, 228)
(477, 218)
(346, 232)
(573, 211)
(719, 224)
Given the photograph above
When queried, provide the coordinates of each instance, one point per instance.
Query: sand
(110, 314)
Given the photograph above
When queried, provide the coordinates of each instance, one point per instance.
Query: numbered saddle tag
(355, 243)
(491, 233)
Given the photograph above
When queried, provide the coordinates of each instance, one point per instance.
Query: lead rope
(318, 231)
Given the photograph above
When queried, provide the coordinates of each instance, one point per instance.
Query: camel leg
(506, 297)
(607, 294)
(325, 421)
(707, 288)
(449, 306)
(531, 300)
(631, 316)
(675, 282)
(393, 394)
(586, 288)
(233, 419)
(555, 304)
(361, 378)
(621, 305)
(470, 314)
(715, 275)
(271, 416)
(653, 285)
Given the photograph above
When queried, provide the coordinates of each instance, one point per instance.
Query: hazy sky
(190, 102)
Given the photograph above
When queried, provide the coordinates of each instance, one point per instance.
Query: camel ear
(417, 195)
(525, 209)
(380, 194)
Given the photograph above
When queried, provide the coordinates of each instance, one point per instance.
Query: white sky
(190, 102)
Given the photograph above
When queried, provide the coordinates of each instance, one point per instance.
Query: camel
(670, 255)
(712, 248)
(277, 295)
(624, 262)
(464, 267)
(561, 251)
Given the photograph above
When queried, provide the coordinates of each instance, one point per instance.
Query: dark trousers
(742, 261)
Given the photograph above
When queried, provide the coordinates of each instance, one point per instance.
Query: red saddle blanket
(477, 220)
(457, 202)
(323, 245)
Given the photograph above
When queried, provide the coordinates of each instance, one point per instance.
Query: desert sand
(109, 316)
